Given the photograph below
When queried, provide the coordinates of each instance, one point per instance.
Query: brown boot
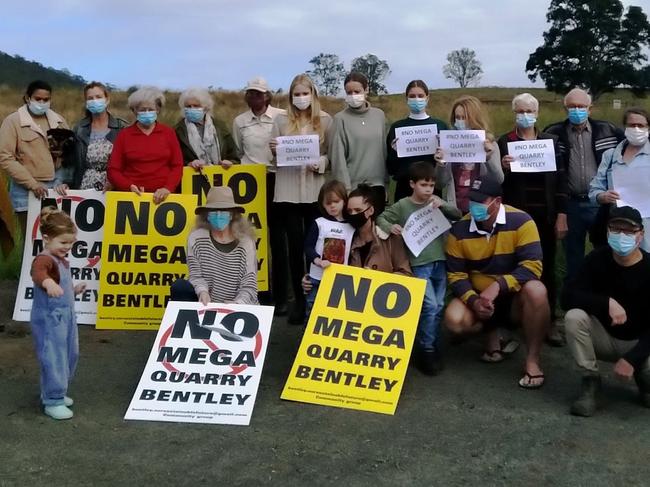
(586, 403)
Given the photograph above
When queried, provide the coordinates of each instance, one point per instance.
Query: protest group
(470, 226)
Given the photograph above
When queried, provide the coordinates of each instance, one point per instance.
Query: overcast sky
(223, 43)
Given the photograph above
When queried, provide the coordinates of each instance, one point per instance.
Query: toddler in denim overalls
(53, 320)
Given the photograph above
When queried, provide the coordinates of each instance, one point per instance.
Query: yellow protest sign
(358, 341)
(143, 253)
(248, 184)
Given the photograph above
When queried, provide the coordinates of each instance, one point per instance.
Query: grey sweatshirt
(357, 147)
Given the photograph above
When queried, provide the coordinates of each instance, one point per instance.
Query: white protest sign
(86, 208)
(463, 145)
(417, 140)
(297, 150)
(532, 156)
(205, 364)
(423, 227)
(632, 184)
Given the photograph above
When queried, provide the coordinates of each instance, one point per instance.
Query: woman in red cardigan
(146, 156)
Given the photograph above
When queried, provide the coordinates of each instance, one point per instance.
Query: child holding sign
(53, 320)
(330, 237)
(429, 264)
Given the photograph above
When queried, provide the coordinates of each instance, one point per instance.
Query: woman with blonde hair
(221, 254)
(296, 191)
(455, 180)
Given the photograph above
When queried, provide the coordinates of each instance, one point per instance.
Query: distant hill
(18, 72)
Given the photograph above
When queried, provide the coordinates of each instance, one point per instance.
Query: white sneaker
(68, 401)
(58, 412)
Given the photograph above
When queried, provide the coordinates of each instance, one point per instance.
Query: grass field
(228, 104)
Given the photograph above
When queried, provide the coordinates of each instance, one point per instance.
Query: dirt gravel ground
(471, 425)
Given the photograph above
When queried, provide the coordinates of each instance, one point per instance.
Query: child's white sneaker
(68, 401)
(59, 411)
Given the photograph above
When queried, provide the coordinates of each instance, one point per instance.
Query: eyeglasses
(627, 230)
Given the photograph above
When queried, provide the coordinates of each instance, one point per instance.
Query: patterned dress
(99, 150)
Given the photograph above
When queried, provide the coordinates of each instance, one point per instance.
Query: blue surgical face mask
(38, 108)
(96, 106)
(417, 105)
(219, 219)
(460, 125)
(578, 116)
(525, 120)
(194, 114)
(621, 243)
(479, 211)
(146, 118)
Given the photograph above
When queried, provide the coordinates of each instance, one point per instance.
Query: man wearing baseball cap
(608, 311)
(494, 264)
(252, 133)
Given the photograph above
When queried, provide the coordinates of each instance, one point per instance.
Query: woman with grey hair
(543, 195)
(204, 140)
(146, 156)
(221, 254)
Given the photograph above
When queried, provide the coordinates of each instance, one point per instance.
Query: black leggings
(289, 223)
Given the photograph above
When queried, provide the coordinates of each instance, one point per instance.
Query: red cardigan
(153, 161)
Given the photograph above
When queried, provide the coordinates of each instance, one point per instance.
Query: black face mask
(357, 220)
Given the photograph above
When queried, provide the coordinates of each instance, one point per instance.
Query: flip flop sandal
(493, 357)
(509, 347)
(526, 381)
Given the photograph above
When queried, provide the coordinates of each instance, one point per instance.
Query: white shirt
(500, 220)
(252, 135)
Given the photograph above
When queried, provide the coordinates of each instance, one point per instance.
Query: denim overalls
(54, 328)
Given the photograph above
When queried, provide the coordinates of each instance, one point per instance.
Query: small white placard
(463, 145)
(417, 140)
(632, 186)
(532, 156)
(298, 150)
(423, 227)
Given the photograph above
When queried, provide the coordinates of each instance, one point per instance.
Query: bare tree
(463, 67)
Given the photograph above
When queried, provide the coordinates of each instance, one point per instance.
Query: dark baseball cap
(626, 214)
(483, 188)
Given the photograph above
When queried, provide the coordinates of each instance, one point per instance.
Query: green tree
(327, 74)
(463, 67)
(375, 69)
(593, 44)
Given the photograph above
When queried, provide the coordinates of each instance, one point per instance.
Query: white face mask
(636, 136)
(356, 100)
(301, 102)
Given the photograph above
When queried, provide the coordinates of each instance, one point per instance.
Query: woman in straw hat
(220, 254)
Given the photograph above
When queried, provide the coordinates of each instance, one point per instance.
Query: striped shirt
(511, 255)
(228, 276)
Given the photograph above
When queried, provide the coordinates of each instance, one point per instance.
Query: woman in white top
(297, 187)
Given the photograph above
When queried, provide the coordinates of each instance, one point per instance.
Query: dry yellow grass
(228, 104)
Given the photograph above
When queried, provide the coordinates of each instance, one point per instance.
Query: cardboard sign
(297, 150)
(358, 341)
(248, 184)
(205, 365)
(86, 208)
(463, 145)
(532, 156)
(144, 252)
(423, 227)
(417, 140)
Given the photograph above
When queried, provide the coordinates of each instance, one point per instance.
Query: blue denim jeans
(428, 331)
(56, 340)
(311, 297)
(581, 216)
(19, 193)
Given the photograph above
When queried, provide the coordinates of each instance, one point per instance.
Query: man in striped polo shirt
(494, 265)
